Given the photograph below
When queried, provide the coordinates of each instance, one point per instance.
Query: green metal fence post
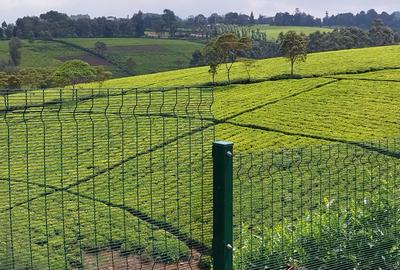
(223, 206)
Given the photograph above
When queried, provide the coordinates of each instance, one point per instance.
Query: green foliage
(13, 82)
(197, 58)
(381, 34)
(363, 238)
(294, 47)
(170, 21)
(225, 50)
(102, 75)
(205, 263)
(73, 72)
(26, 77)
(14, 50)
(339, 39)
(138, 21)
(212, 57)
(266, 32)
(249, 64)
(130, 64)
(100, 47)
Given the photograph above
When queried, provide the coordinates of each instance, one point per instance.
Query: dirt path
(112, 260)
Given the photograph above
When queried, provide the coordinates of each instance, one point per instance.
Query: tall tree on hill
(252, 20)
(130, 64)
(170, 21)
(213, 58)
(74, 72)
(380, 34)
(201, 23)
(229, 46)
(102, 75)
(9, 30)
(138, 21)
(100, 47)
(197, 58)
(249, 65)
(294, 47)
(14, 50)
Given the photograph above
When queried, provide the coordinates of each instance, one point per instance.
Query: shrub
(354, 239)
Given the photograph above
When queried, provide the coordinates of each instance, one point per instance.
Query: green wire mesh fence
(122, 179)
(105, 178)
(326, 207)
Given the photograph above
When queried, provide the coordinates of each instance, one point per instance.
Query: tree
(15, 55)
(215, 18)
(139, 24)
(31, 37)
(3, 80)
(229, 45)
(252, 20)
(293, 46)
(100, 47)
(197, 58)
(249, 64)
(130, 64)
(200, 21)
(397, 37)
(213, 58)
(170, 20)
(380, 34)
(74, 72)
(34, 78)
(102, 75)
(13, 82)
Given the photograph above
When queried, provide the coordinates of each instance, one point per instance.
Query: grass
(149, 55)
(40, 53)
(140, 184)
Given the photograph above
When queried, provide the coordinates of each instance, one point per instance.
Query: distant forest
(58, 25)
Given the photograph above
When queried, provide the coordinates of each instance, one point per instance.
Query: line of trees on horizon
(54, 24)
(378, 34)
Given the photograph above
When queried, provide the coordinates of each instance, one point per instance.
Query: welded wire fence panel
(326, 207)
(105, 178)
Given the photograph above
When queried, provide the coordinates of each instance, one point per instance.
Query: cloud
(27, 4)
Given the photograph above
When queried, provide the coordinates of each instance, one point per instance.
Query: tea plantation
(117, 175)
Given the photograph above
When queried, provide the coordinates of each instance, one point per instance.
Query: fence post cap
(223, 143)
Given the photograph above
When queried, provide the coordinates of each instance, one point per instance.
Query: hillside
(345, 98)
(147, 55)
(339, 90)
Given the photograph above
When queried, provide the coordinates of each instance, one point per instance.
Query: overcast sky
(12, 9)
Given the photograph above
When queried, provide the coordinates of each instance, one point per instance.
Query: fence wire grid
(122, 179)
(325, 207)
(105, 178)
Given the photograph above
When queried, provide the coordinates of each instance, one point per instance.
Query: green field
(274, 31)
(347, 97)
(148, 55)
